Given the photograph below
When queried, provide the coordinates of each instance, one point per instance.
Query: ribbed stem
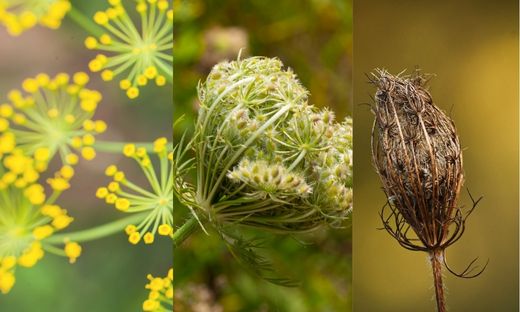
(436, 260)
(180, 235)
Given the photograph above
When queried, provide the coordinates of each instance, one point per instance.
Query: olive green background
(472, 47)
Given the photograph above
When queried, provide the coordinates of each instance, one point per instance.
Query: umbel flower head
(27, 218)
(52, 115)
(136, 56)
(265, 158)
(160, 298)
(20, 15)
(156, 198)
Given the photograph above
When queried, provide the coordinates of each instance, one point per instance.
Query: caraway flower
(20, 15)
(52, 115)
(136, 56)
(156, 198)
(264, 157)
(417, 154)
(27, 218)
(160, 298)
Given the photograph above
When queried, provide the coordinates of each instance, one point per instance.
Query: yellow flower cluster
(48, 116)
(137, 56)
(27, 219)
(131, 198)
(21, 170)
(51, 115)
(161, 294)
(18, 16)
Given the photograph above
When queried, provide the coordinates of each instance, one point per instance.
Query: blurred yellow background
(472, 47)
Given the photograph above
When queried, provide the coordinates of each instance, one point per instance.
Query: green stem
(54, 250)
(85, 22)
(117, 147)
(169, 78)
(180, 235)
(97, 232)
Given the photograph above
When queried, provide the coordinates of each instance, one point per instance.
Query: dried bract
(418, 157)
(417, 154)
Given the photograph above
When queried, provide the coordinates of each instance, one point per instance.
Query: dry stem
(436, 260)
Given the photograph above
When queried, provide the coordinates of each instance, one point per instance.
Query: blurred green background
(472, 47)
(315, 39)
(111, 274)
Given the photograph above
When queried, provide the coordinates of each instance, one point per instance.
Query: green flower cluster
(265, 157)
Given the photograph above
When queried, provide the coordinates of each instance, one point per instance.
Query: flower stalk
(97, 232)
(116, 147)
(84, 22)
(182, 233)
(436, 261)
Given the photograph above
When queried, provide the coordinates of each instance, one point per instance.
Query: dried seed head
(418, 157)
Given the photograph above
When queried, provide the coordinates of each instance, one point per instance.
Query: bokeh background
(111, 274)
(315, 39)
(472, 47)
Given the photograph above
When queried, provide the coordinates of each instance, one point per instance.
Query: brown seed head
(417, 154)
